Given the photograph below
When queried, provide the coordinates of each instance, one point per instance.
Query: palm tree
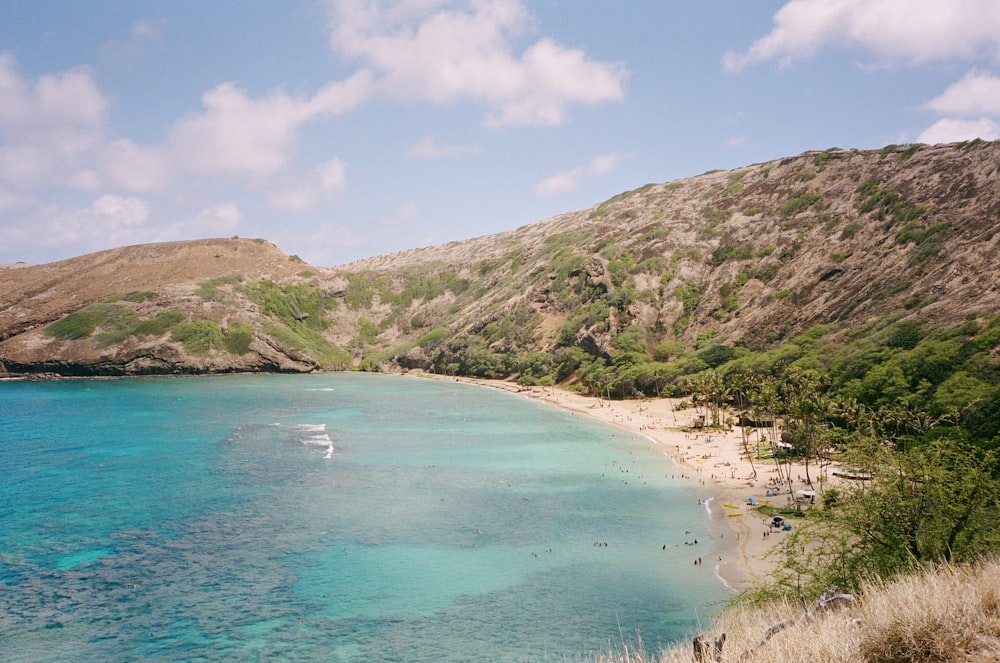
(742, 384)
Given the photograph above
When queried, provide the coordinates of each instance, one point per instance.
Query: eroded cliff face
(750, 256)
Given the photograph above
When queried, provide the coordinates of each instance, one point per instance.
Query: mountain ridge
(745, 257)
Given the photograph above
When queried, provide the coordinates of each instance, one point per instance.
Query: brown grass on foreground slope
(951, 614)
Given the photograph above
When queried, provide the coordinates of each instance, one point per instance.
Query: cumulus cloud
(603, 164)
(146, 29)
(559, 183)
(976, 93)
(109, 220)
(55, 133)
(306, 193)
(238, 135)
(971, 109)
(429, 148)
(220, 219)
(425, 50)
(895, 31)
(951, 130)
(568, 180)
(49, 126)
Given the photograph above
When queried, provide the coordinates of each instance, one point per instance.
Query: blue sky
(343, 129)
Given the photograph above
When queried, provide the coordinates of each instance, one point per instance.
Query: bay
(339, 517)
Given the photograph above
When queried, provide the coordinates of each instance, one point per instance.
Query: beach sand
(711, 458)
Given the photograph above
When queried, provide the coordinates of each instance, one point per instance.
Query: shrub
(690, 296)
(297, 304)
(137, 296)
(159, 325)
(433, 338)
(209, 289)
(198, 336)
(725, 252)
(76, 325)
(81, 324)
(367, 330)
(237, 338)
(799, 203)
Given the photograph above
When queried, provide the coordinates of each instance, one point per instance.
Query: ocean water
(342, 517)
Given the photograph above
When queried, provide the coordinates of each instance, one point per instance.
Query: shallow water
(339, 517)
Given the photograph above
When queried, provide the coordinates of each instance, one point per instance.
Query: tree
(923, 506)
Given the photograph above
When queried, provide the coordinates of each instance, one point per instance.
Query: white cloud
(128, 166)
(906, 31)
(568, 180)
(603, 164)
(56, 140)
(559, 183)
(429, 148)
(736, 142)
(67, 102)
(330, 243)
(113, 212)
(306, 193)
(108, 221)
(146, 29)
(971, 107)
(55, 133)
(48, 126)
(238, 135)
(234, 135)
(976, 93)
(950, 130)
(427, 51)
(219, 219)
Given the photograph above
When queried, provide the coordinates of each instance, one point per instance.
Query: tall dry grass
(950, 614)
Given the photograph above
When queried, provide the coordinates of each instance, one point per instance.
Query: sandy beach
(710, 458)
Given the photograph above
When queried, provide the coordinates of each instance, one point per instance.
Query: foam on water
(195, 519)
(320, 438)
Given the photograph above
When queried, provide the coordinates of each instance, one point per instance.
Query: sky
(345, 129)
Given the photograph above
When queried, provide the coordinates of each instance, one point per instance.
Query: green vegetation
(198, 336)
(159, 325)
(137, 296)
(690, 296)
(298, 314)
(886, 204)
(799, 203)
(821, 159)
(82, 324)
(910, 150)
(297, 304)
(210, 289)
(726, 252)
(237, 338)
(735, 181)
(111, 324)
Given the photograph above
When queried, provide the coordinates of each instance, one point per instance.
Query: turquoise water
(338, 517)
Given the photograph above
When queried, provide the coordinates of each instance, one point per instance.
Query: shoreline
(712, 460)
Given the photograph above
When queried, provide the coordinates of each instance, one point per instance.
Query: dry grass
(948, 615)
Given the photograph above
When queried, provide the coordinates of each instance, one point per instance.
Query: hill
(120, 309)
(834, 243)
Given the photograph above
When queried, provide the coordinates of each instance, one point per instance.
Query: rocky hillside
(844, 241)
(124, 311)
